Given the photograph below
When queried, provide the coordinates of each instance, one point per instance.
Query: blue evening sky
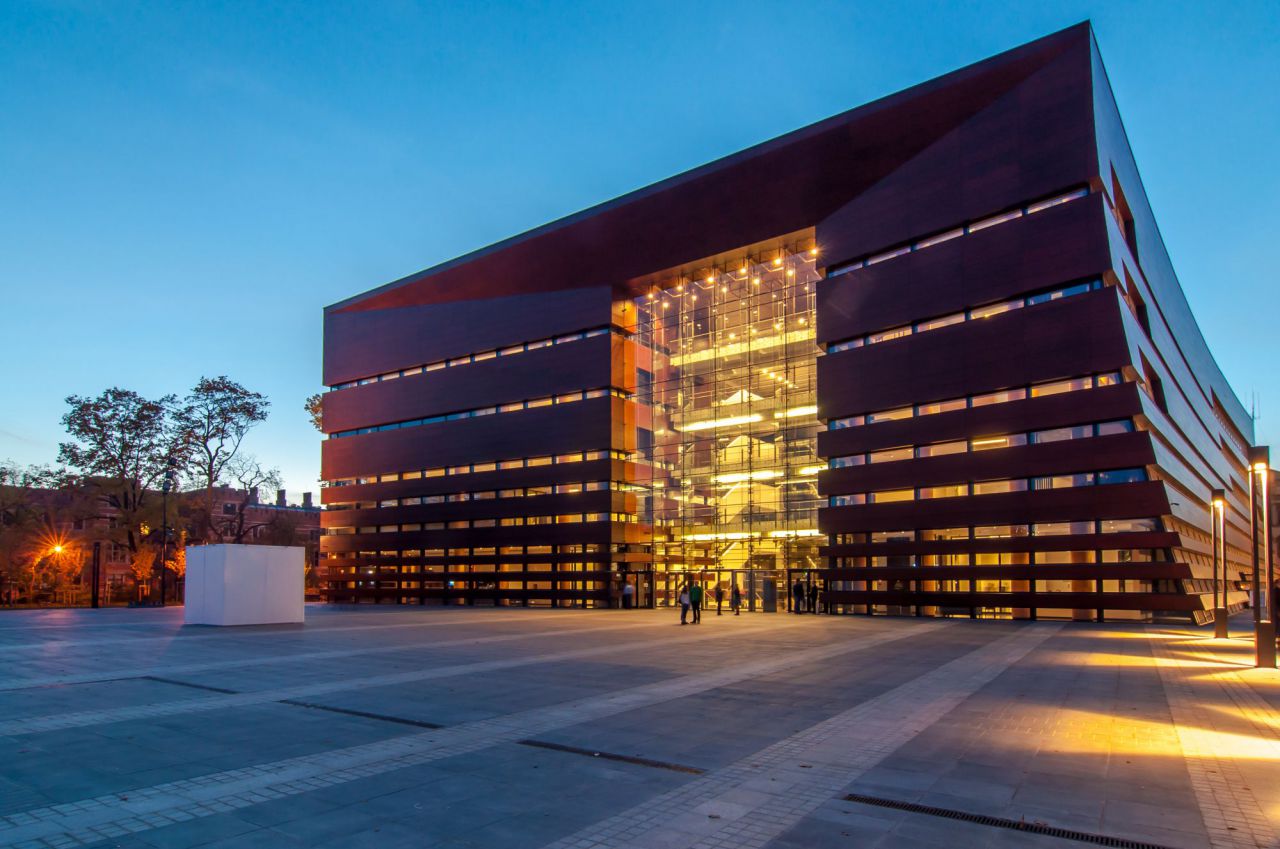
(184, 186)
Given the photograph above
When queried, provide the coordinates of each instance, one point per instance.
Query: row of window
(1038, 529)
(1035, 390)
(476, 495)
(1005, 558)
(1044, 588)
(473, 358)
(982, 443)
(964, 230)
(964, 315)
(476, 551)
(510, 521)
(513, 407)
(483, 466)
(990, 487)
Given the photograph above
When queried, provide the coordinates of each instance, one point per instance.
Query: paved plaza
(501, 728)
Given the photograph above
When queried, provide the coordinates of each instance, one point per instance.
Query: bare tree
(215, 416)
(248, 476)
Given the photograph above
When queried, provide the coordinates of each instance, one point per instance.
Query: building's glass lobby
(727, 427)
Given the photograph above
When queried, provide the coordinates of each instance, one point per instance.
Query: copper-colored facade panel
(928, 356)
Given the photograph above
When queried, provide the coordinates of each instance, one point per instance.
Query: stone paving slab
(741, 732)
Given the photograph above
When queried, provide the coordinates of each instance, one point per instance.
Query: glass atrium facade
(727, 426)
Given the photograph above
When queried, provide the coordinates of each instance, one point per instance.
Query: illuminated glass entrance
(727, 423)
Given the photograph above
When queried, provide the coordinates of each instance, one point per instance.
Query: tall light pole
(1217, 517)
(1264, 628)
(170, 473)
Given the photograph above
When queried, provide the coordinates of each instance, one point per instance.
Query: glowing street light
(1264, 628)
(1217, 516)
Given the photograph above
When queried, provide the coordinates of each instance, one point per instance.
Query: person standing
(684, 605)
(735, 600)
(628, 595)
(797, 596)
(813, 596)
(695, 599)
(719, 597)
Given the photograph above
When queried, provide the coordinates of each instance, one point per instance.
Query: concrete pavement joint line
(1002, 822)
(235, 633)
(212, 666)
(81, 719)
(611, 756)
(362, 713)
(84, 821)
(1232, 815)
(756, 799)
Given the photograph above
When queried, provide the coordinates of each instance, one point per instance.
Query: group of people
(804, 599)
(692, 597)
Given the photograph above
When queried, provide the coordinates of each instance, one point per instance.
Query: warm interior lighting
(812, 470)
(804, 532)
(813, 251)
(777, 261)
(796, 411)
(995, 440)
(726, 422)
(739, 477)
(1259, 467)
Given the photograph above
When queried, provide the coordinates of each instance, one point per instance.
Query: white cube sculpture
(244, 584)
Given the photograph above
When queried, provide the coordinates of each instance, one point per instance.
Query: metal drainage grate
(364, 714)
(1002, 822)
(222, 690)
(610, 756)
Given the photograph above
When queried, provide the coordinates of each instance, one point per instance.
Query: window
(847, 345)
(994, 220)
(1058, 294)
(889, 415)
(947, 406)
(988, 443)
(1061, 434)
(886, 335)
(1049, 529)
(886, 496)
(889, 455)
(999, 397)
(940, 238)
(945, 321)
(998, 486)
(1122, 476)
(946, 491)
(1000, 531)
(847, 421)
(1110, 428)
(845, 462)
(1129, 526)
(1063, 481)
(994, 309)
(941, 449)
(1057, 387)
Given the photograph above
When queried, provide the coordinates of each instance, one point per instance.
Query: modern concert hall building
(929, 355)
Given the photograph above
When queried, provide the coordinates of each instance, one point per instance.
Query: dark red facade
(1021, 416)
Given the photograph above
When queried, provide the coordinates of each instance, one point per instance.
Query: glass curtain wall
(727, 430)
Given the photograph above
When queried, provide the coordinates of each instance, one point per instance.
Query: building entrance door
(762, 590)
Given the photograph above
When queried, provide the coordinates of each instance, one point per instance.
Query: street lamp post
(1264, 628)
(1217, 517)
(169, 479)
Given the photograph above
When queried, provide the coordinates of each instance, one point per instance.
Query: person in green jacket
(695, 601)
